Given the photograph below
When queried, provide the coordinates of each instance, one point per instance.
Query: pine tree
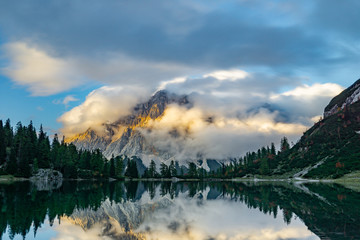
(55, 146)
(2, 144)
(193, 170)
(119, 167)
(134, 170)
(273, 150)
(106, 171)
(131, 169)
(24, 152)
(264, 166)
(112, 167)
(9, 134)
(44, 153)
(284, 144)
(152, 169)
(33, 141)
(11, 166)
(164, 170)
(172, 169)
(97, 162)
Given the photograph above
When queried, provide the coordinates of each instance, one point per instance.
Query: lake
(179, 210)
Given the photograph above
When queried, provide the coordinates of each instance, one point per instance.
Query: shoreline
(10, 179)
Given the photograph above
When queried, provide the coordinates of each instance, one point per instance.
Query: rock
(347, 97)
(47, 179)
(125, 136)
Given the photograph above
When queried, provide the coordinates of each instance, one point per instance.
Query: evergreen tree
(131, 169)
(2, 144)
(192, 170)
(97, 162)
(24, 153)
(284, 144)
(33, 141)
(35, 166)
(9, 134)
(55, 146)
(11, 166)
(152, 169)
(164, 170)
(134, 170)
(273, 150)
(112, 167)
(264, 166)
(44, 153)
(106, 171)
(172, 169)
(119, 167)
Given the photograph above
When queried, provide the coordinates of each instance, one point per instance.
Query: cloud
(191, 134)
(69, 231)
(192, 34)
(221, 220)
(180, 218)
(104, 105)
(304, 103)
(66, 100)
(230, 75)
(141, 43)
(317, 89)
(227, 117)
(42, 74)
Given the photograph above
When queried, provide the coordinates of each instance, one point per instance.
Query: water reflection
(167, 210)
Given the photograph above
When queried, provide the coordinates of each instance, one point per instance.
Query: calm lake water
(165, 210)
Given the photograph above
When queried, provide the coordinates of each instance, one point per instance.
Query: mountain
(124, 136)
(331, 148)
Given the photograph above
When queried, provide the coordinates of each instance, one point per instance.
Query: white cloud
(222, 137)
(305, 103)
(104, 105)
(68, 99)
(220, 220)
(228, 75)
(315, 90)
(164, 84)
(227, 119)
(41, 73)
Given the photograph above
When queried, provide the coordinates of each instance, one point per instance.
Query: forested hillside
(24, 151)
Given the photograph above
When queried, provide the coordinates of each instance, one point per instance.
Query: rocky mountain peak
(124, 136)
(344, 99)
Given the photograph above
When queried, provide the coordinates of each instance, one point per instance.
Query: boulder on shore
(47, 179)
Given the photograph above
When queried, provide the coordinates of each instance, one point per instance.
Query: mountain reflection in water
(182, 210)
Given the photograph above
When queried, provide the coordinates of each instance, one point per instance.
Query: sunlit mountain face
(169, 210)
(188, 127)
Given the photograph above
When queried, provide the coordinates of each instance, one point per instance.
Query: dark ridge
(339, 99)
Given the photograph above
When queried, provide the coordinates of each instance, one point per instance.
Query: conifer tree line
(23, 151)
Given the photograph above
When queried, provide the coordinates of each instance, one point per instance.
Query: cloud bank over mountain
(231, 112)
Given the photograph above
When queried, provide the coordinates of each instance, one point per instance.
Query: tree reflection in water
(328, 210)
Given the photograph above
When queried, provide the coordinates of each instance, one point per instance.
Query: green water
(166, 210)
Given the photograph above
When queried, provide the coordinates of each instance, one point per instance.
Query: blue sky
(51, 51)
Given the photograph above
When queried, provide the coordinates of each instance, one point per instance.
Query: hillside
(331, 148)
